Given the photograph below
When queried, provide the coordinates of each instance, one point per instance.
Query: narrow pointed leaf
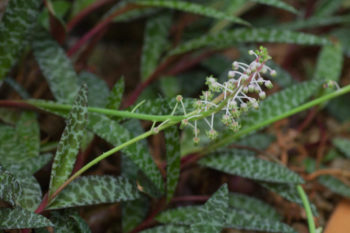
(289, 192)
(116, 134)
(191, 8)
(68, 221)
(274, 108)
(98, 89)
(241, 163)
(134, 212)
(155, 41)
(343, 145)
(326, 7)
(167, 229)
(279, 4)
(31, 193)
(329, 63)
(12, 150)
(56, 67)
(314, 22)
(181, 215)
(30, 166)
(253, 206)
(69, 144)
(28, 133)
(335, 185)
(15, 26)
(10, 188)
(172, 140)
(248, 35)
(116, 95)
(242, 220)
(18, 218)
(92, 190)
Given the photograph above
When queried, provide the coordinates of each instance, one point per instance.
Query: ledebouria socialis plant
(242, 90)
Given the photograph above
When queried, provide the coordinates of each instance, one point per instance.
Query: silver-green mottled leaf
(258, 141)
(68, 221)
(69, 144)
(18, 20)
(31, 193)
(242, 220)
(30, 166)
(246, 35)
(289, 192)
(191, 8)
(326, 8)
(329, 63)
(167, 229)
(10, 188)
(335, 185)
(343, 145)
(181, 215)
(56, 67)
(27, 129)
(12, 150)
(243, 163)
(116, 134)
(98, 89)
(116, 95)
(134, 212)
(155, 42)
(18, 218)
(92, 190)
(279, 4)
(172, 142)
(253, 205)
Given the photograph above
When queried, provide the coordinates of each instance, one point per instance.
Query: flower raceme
(232, 97)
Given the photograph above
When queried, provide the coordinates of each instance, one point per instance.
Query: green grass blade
(191, 8)
(248, 35)
(18, 218)
(93, 190)
(243, 163)
(15, 26)
(155, 42)
(279, 4)
(56, 67)
(69, 144)
(172, 142)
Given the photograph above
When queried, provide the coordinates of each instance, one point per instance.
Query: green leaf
(21, 91)
(10, 188)
(258, 141)
(335, 185)
(68, 221)
(116, 134)
(98, 89)
(69, 144)
(273, 109)
(326, 7)
(12, 150)
(56, 67)
(242, 220)
(92, 190)
(279, 4)
(243, 163)
(181, 215)
(155, 42)
(15, 26)
(246, 35)
(79, 5)
(253, 206)
(31, 193)
(288, 192)
(27, 129)
(329, 63)
(172, 142)
(18, 218)
(30, 166)
(191, 8)
(343, 145)
(167, 229)
(116, 95)
(134, 212)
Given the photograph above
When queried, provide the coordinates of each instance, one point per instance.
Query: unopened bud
(179, 98)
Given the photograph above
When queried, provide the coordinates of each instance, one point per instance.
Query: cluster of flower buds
(235, 95)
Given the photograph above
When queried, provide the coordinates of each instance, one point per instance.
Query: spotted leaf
(116, 95)
(69, 143)
(10, 188)
(335, 185)
(31, 193)
(279, 4)
(92, 190)
(343, 145)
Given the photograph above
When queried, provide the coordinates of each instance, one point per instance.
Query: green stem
(310, 217)
(252, 128)
(110, 112)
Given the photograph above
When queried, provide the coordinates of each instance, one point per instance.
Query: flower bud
(212, 134)
(235, 65)
(179, 98)
(231, 74)
(196, 140)
(273, 73)
(244, 107)
(262, 95)
(268, 84)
